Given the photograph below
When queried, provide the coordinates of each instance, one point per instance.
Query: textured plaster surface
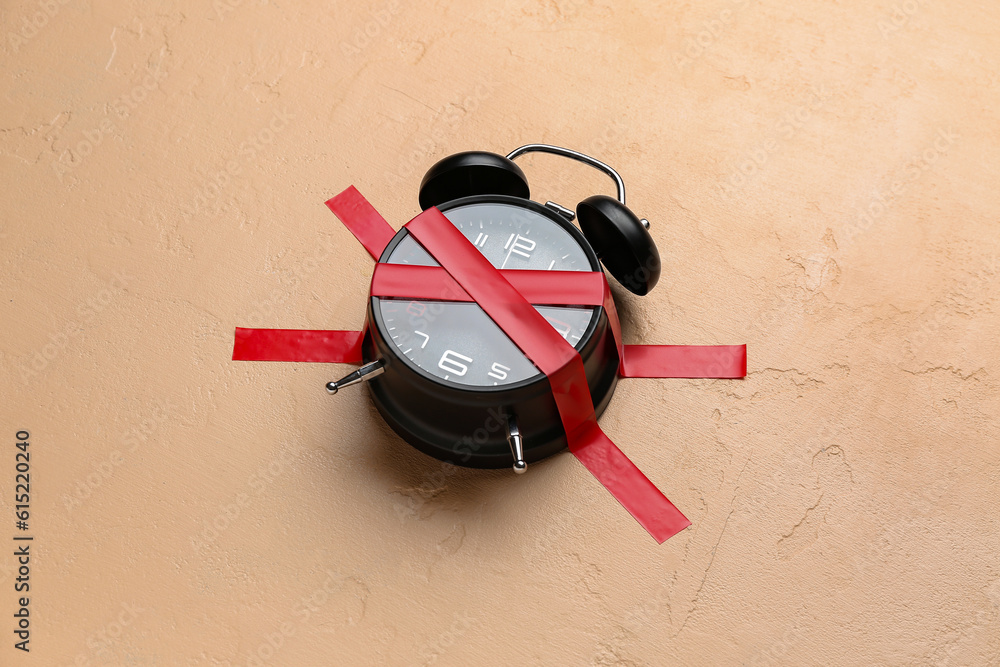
(821, 180)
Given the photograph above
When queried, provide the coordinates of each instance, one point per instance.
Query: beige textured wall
(164, 170)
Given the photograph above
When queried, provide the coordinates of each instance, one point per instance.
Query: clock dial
(458, 342)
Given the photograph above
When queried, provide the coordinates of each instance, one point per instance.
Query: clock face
(458, 342)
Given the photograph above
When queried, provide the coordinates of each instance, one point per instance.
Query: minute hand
(508, 256)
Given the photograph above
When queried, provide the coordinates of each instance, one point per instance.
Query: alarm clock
(442, 374)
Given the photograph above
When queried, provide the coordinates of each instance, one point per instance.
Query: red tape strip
(562, 288)
(367, 225)
(684, 361)
(560, 362)
(337, 347)
(507, 296)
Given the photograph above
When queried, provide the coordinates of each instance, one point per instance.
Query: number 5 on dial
(498, 371)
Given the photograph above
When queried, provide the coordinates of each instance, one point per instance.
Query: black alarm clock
(443, 375)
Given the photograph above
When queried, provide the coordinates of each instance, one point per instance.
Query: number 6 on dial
(450, 363)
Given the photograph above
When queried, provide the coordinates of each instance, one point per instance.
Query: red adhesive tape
(433, 283)
(359, 216)
(684, 361)
(506, 296)
(338, 347)
(561, 364)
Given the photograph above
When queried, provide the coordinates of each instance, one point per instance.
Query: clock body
(451, 377)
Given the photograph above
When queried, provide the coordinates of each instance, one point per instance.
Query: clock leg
(516, 445)
(363, 374)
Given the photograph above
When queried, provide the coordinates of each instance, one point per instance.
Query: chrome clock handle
(363, 374)
(516, 445)
(579, 157)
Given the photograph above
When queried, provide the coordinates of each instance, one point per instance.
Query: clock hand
(507, 257)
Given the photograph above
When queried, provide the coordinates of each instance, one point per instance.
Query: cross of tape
(464, 274)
